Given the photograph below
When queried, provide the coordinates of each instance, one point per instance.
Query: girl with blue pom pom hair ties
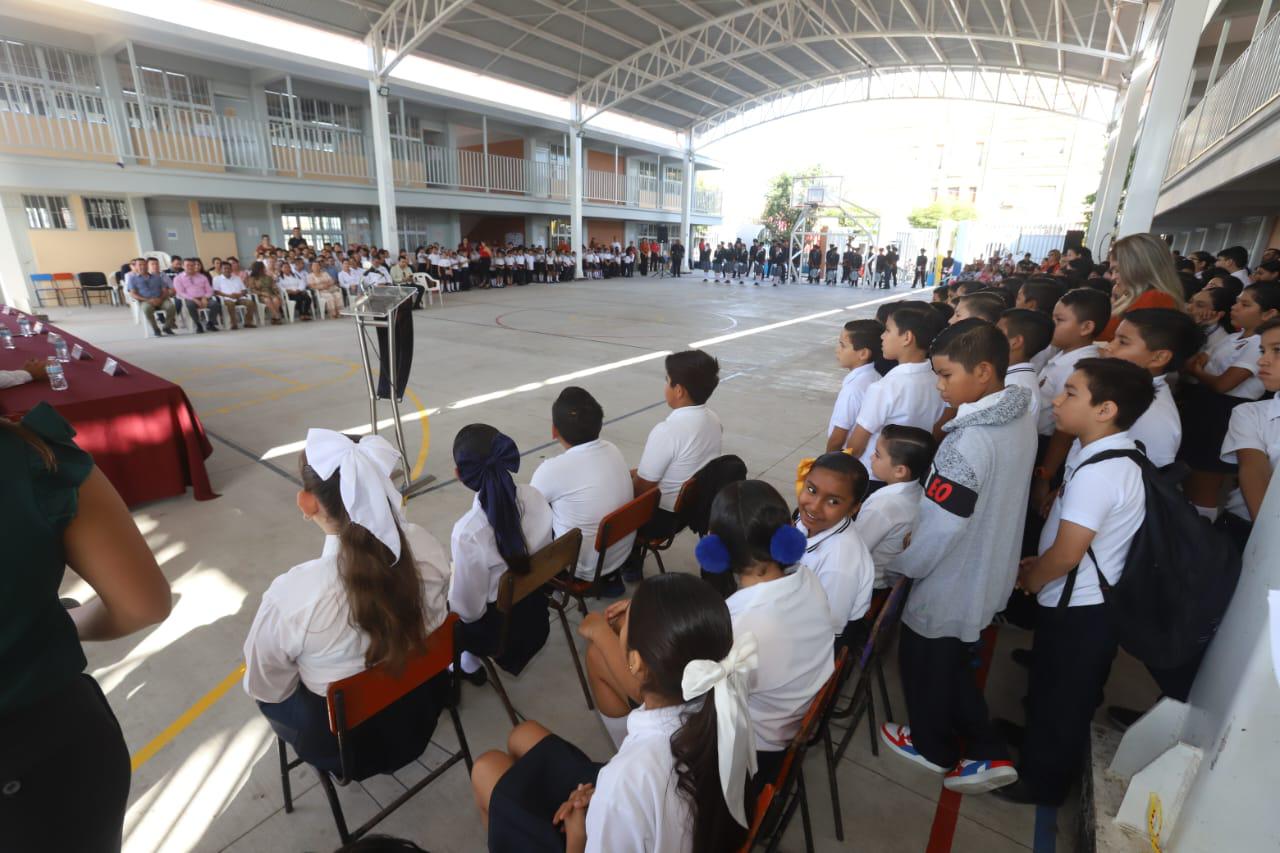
(753, 555)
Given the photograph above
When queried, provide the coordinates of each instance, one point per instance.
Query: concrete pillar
(1168, 85)
(686, 199)
(141, 223)
(575, 187)
(1116, 163)
(383, 174)
(16, 259)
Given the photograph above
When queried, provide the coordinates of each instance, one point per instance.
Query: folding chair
(65, 283)
(871, 662)
(96, 282)
(353, 701)
(656, 546)
(42, 284)
(555, 558)
(763, 802)
(430, 285)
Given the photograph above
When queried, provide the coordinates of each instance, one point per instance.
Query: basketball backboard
(818, 191)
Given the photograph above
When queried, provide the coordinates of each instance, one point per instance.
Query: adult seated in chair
(196, 291)
(349, 277)
(505, 524)
(585, 483)
(231, 290)
(372, 597)
(264, 288)
(328, 294)
(147, 285)
(294, 286)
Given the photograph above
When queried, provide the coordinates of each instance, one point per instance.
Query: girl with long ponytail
(678, 781)
(372, 597)
(506, 523)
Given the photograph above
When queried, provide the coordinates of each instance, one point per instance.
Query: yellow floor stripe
(188, 717)
(421, 461)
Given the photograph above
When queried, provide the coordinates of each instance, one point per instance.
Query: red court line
(948, 811)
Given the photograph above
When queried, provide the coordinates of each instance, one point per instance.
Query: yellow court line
(188, 716)
(421, 461)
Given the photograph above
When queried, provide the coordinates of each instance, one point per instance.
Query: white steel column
(686, 199)
(382, 165)
(143, 111)
(1168, 84)
(575, 188)
(1106, 204)
(15, 286)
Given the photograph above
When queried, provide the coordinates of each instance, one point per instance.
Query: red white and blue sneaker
(898, 739)
(975, 777)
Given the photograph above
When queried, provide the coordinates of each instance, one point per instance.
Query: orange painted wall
(600, 161)
(210, 244)
(79, 249)
(506, 148)
(492, 229)
(603, 230)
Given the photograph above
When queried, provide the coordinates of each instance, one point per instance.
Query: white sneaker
(898, 739)
(976, 777)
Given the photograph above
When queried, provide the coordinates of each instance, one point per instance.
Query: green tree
(779, 216)
(1089, 201)
(931, 214)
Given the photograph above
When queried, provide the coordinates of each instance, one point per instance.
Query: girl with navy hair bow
(506, 523)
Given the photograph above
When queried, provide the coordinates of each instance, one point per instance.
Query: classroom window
(106, 214)
(48, 212)
(215, 216)
(318, 226)
(176, 102)
(39, 80)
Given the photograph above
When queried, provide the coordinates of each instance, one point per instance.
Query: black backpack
(1179, 575)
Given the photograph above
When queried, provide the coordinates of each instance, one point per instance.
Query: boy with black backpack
(1091, 525)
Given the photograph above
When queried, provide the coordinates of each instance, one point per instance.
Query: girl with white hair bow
(376, 591)
(678, 782)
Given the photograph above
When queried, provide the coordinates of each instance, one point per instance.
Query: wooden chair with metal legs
(614, 527)
(656, 545)
(355, 700)
(551, 561)
(870, 665)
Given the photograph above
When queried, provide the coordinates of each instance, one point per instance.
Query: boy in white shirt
(1088, 532)
(677, 448)
(856, 351)
(1029, 333)
(1253, 442)
(907, 394)
(901, 460)
(1158, 340)
(585, 483)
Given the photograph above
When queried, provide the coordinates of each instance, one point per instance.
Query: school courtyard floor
(205, 770)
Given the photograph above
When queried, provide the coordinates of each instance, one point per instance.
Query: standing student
(1029, 333)
(1226, 377)
(779, 601)
(677, 783)
(677, 448)
(907, 394)
(857, 350)
(504, 526)
(1077, 319)
(1211, 309)
(901, 461)
(1158, 340)
(1086, 536)
(963, 558)
(585, 483)
(1253, 442)
(830, 496)
(372, 598)
(922, 270)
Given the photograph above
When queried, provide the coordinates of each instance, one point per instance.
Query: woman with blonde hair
(1145, 277)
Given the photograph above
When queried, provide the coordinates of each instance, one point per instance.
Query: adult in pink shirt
(194, 288)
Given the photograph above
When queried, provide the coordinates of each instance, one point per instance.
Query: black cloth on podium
(403, 354)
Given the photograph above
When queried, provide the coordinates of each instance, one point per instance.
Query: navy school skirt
(1206, 415)
(530, 624)
(526, 797)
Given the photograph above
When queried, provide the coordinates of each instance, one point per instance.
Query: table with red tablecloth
(141, 430)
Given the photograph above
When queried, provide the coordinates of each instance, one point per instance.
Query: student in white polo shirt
(1093, 520)
(830, 497)
(780, 602)
(907, 394)
(857, 350)
(1029, 333)
(1253, 442)
(677, 448)
(585, 483)
(901, 460)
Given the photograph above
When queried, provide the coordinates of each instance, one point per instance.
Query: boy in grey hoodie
(963, 558)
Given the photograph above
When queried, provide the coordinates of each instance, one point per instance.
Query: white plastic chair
(287, 303)
(430, 285)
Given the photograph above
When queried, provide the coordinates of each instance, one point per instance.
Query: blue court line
(1045, 839)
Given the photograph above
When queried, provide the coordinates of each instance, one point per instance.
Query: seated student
(1094, 517)
(829, 499)
(984, 305)
(585, 483)
(907, 394)
(1077, 319)
(677, 783)
(1158, 340)
(780, 602)
(1253, 442)
(963, 556)
(1211, 309)
(679, 446)
(372, 597)
(506, 523)
(1225, 378)
(856, 351)
(1029, 333)
(901, 460)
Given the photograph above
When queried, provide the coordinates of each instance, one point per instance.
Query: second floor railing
(166, 137)
(1250, 84)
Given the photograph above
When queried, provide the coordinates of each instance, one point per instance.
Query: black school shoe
(479, 678)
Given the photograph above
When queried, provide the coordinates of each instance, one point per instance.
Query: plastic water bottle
(6, 338)
(60, 350)
(57, 379)
(24, 327)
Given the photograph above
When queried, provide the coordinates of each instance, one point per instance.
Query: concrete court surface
(206, 775)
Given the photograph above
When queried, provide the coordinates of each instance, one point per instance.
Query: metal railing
(646, 192)
(706, 201)
(1250, 84)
